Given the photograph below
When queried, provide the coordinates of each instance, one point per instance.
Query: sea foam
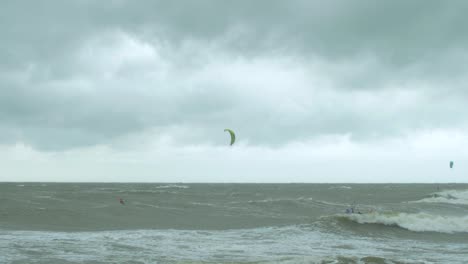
(418, 222)
(447, 196)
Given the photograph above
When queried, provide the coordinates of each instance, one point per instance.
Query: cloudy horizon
(341, 91)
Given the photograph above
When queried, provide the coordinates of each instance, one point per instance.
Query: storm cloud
(285, 75)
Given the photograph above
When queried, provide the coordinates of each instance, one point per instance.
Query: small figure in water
(350, 210)
(121, 201)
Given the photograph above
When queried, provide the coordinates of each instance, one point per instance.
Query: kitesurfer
(121, 201)
(351, 210)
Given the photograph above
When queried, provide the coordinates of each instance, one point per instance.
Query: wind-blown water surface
(226, 223)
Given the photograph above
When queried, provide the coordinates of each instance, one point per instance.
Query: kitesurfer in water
(351, 210)
(121, 201)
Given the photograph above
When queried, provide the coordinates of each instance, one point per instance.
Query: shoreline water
(226, 223)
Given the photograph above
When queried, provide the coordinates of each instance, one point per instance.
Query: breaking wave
(340, 187)
(283, 245)
(419, 222)
(172, 186)
(448, 196)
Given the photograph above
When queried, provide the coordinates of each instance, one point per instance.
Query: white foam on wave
(284, 245)
(419, 222)
(271, 200)
(340, 187)
(447, 196)
(172, 186)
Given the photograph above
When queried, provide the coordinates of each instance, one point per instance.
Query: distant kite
(233, 136)
(451, 164)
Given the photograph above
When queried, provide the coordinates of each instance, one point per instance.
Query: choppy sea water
(233, 223)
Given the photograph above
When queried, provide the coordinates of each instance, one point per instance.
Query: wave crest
(172, 186)
(420, 222)
(448, 197)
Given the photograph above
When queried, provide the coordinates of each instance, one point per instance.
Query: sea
(233, 223)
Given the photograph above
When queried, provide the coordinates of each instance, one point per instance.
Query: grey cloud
(363, 46)
(399, 32)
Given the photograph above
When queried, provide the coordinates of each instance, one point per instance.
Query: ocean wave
(447, 196)
(108, 189)
(145, 191)
(146, 204)
(323, 203)
(419, 222)
(138, 204)
(283, 245)
(343, 259)
(203, 204)
(300, 201)
(172, 186)
(48, 197)
(281, 202)
(340, 187)
(270, 200)
(321, 260)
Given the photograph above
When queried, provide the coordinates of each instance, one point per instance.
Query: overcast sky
(316, 91)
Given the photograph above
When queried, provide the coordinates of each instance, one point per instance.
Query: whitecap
(418, 222)
(340, 187)
(172, 186)
(447, 196)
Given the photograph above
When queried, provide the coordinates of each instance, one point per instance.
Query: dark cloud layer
(75, 73)
(397, 31)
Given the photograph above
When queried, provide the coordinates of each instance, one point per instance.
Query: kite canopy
(451, 164)
(233, 136)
